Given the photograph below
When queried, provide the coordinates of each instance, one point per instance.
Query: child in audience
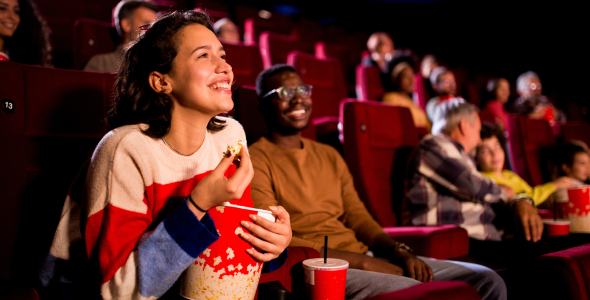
(154, 177)
(573, 164)
(490, 159)
(24, 35)
(226, 30)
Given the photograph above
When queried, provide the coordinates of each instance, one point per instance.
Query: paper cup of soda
(225, 270)
(556, 227)
(3, 56)
(325, 281)
(577, 209)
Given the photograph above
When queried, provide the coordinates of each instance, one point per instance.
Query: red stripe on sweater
(113, 233)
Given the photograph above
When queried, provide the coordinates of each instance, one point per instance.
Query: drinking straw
(554, 210)
(325, 249)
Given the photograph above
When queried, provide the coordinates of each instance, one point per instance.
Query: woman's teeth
(220, 85)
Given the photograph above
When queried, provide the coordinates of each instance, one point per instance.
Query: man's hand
(414, 267)
(563, 182)
(530, 219)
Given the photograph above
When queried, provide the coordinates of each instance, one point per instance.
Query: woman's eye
(204, 55)
(224, 57)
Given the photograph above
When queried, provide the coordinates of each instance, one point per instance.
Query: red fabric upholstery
(439, 242)
(378, 140)
(214, 14)
(420, 95)
(57, 122)
(563, 274)
(246, 112)
(92, 37)
(436, 290)
(275, 47)
(245, 61)
(253, 27)
(347, 56)
(368, 83)
(576, 130)
(327, 78)
(284, 274)
(528, 138)
(487, 117)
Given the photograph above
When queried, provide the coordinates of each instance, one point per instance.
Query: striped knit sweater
(132, 218)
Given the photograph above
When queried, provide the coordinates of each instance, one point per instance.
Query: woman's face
(406, 80)
(503, 90)
(579, 169)
(490, 155)
(9, 17)
(200, 77)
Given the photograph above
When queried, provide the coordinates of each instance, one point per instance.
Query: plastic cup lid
(333, 264)
(556, 222)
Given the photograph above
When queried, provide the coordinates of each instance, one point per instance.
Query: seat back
(347, 56)
(327, 78)
(245, 61)
(92, 37)
(275, 47)
(576, 130)
(487, 117)
(529, 140)
(215, 15)
(253, 27)
(378, 141)
(368, 83)
(59, 118)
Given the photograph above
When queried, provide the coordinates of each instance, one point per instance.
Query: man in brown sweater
(312, 181)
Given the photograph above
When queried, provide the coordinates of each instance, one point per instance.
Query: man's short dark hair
(262, 80)
(126, 8)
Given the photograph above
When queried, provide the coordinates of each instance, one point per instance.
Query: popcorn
(239, 230)
(207, 252)
(235, 150)
(219, 208)
(217, 260)
(230, 253)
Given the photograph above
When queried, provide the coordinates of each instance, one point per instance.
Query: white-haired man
(531, 101)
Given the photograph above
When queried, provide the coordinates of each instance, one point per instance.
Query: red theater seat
(253, 27)
(327, 78)
(560, 275)
(245, 61)
(92, 37)
(347, 56)
(275, 47)
(214, 14)
(576, 130)
(436, 290)
(487, 117)
(368, 83)
(378, 141)
(528, 140)
(57, 121)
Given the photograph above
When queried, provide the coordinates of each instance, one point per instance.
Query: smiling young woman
(24, 35)
(155, 175)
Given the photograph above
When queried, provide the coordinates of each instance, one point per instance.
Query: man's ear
(125, 25)
(159, 83)
(463, 125)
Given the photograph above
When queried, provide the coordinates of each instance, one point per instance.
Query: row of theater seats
(57, 118)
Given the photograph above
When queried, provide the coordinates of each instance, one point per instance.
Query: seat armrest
(290, 270)
(440, 242)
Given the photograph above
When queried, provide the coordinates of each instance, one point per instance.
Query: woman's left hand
(269, 239)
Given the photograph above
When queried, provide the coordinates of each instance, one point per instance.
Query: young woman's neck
(187, 132)
(286, 141)
(498, 173)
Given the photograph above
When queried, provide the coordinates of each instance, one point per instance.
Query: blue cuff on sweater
(192, 235)
(276, 263)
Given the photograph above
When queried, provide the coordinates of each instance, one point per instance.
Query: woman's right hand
(563, 182)
(215, 188)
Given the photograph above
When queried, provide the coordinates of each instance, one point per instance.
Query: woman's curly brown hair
(30, 42)
(154, 50)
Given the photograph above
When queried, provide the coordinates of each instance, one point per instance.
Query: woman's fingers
(282, 214)
(243, 175)
(260, 256)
